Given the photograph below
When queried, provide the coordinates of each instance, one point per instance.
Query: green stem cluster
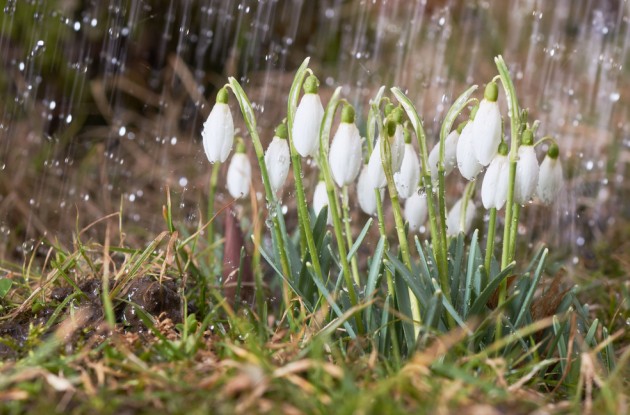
(274, 207)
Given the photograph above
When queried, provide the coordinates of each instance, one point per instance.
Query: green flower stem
(345, 199)
(490, 239)
(400, 227)
(333, 205)
(214, 177)
(277, 218)
(514, 113)
(383, 232)
(306, 233)
(458, 106)
(375, 119)
(514, 231)
(436, 239)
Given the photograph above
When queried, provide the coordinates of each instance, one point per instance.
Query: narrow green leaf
(468, 287)
(331, 302)
(485, 295)
(532, 289)
(5, 286)
(359, 240)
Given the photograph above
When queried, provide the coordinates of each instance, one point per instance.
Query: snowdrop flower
(308, 119)
(366, 194)
(487, 126)
(450, 153)
(397, 149)
(453, 220)
(345, 156)
(218, 130)
(526, 170)
(239, 174)
(495, 182)
(416, 210)
(277, 158)
(409, 175)
(550, 177)
(467, 162)
(320, 199)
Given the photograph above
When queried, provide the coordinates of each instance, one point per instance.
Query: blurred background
(102, 102)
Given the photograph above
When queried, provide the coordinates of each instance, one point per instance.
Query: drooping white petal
(397, 148)
(494, 187)
(239, 175)
(453, 220)
(409, 175)
(306, 124)
(218, 133)
(366, 194)
(416, 210)
(550, 180)
(320, 199)
(450, 155)
(277, 160)
(345, 156)
(487, 131)
(467, 162)
(526, 174)
(376, 174)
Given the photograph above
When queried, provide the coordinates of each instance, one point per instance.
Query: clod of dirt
(154, 298)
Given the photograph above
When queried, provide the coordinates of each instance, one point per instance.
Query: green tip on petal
(222, 96)
(240, 145)
(347, 114)
(407, 135)
(528, 138)
(389, 107)
(554, 151)
(311, 85)
(492, 92)
(473, 113)
(461, 126)
(391, 127)
(281, 131)
(503, 148)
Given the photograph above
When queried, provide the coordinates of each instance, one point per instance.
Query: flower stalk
(273, 206)
(303, 216)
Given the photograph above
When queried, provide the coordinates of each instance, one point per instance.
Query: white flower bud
(416, 210)
(345, 155)
(409, 175)
(526, 174)
(218, 130)
(495, 182)
(277, 158)
(487, 126)
(467, 162)
(550, 179)
(450, 155)
(453, 220)
(306, 125)
(239, 174)
(320, 199)
(366, 194)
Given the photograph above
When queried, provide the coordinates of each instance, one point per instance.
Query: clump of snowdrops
(447, 281)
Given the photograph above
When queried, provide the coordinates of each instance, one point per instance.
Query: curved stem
(333, 205)
(545, 138)
(306, 233)
(416, 123)
(513, 109)
(400, 228)
(277, 218)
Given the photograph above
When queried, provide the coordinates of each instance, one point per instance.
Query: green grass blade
(482, 300)
(525, 306)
